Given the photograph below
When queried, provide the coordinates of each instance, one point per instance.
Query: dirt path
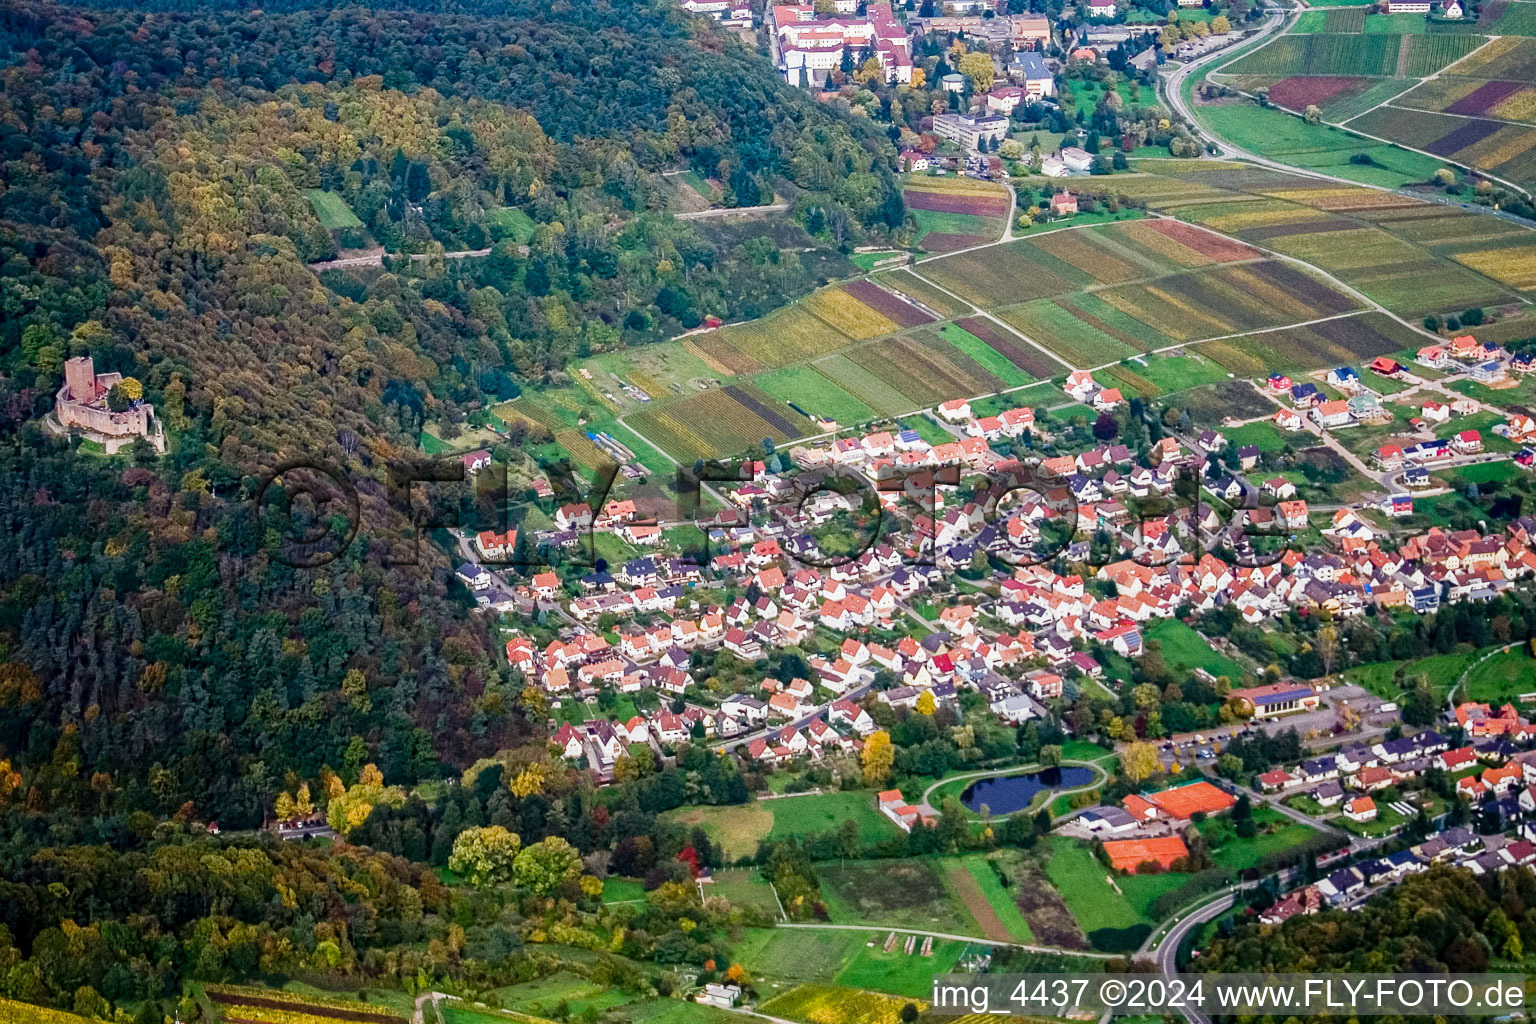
(975, 901)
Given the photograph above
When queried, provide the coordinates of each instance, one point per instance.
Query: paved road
(1168, 948)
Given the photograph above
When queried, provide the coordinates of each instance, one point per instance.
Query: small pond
(1008, 793)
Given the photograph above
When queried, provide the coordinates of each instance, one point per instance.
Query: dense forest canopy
(162, 170)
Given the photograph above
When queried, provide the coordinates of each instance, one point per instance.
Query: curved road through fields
(1172, 85)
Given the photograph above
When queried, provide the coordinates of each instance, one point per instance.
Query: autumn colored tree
(486, 855)
(877, 758)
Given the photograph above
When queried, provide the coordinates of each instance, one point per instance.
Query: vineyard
(241, 1005)
(1322, 54)
(1330, 343)
(785, 336)
(831, 1004)
(920, 290)
(846, 314)
(955, 213)
(998, 275)
(1079, 337)
(1227, 300)
(1514, 266)
(1301, 91)
(13, 1012)
(721, 422)
(1355, 54)
(902, 313)
(1017, 351)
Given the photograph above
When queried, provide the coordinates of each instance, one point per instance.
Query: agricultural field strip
(978, 311)
(947, 935)
(1388, 102)
(1348, 289)
(1217, 72)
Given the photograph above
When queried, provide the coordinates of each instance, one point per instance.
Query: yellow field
(1514, 266)
(954, 186)
(848, 315)
(831, 1004)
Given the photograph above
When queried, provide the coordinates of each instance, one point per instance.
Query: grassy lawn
(675, 1011)
(739, 828)
(331, 210)
(622, 890)
(1487, 472)
(1503, 677)
(541, 997)
(515, 222)
(867, 260)
(1483, 422)
(927, 429)
(1176, 373)
(434, 445)
(1263, 433)
(1082, 750)
(803, 815)
(1379, 677)
(735, 829)
(744, 887)
(1077, 220)
(1183, 648)
(896, 972)
(1279, 135)
(1276, 833)
(1387, 678)
(1080, 879)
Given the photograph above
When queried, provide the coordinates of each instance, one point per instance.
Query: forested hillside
(1442, 920)
(160, 177)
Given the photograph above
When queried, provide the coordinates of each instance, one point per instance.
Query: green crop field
(986, 356)
(331, 210)
(814, 393)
